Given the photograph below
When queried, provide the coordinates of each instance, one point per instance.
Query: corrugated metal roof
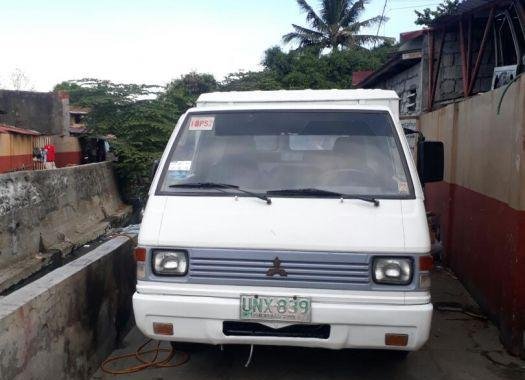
(468, 6)
(4, 128)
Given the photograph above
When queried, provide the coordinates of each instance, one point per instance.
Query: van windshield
(350, 152)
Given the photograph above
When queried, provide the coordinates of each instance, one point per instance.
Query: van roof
(290, 96)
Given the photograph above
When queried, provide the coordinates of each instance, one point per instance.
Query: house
(403, 73)
(16, 148)
(31, 120)
(77, 119)
(478, 47)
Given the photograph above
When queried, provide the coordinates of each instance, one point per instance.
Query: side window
(412, 99)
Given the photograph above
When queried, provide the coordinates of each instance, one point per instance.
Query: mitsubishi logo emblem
(276, 269)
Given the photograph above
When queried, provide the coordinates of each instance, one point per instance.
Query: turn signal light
(162, 328)
(426, 263)
(398, 340)
(140, 254)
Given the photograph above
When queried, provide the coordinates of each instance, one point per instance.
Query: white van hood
(287, 224)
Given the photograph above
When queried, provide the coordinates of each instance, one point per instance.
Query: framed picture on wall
(503, 75)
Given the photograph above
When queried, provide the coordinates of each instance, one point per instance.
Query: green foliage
(428, 16)
(250, 81)
(139, 119)
(187, 89)
(336, 25)
(301, 69)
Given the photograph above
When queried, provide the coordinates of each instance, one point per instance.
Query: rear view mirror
(154, 167)
(430, 161)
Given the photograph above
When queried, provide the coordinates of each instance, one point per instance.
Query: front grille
(292, 331)
(303, 269)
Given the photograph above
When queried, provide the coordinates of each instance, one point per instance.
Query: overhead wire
(414, 6)
(382, 17)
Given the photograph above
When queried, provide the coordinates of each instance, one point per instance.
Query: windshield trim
(175, 192)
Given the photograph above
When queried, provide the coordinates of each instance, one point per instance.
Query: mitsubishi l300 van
(288, 218)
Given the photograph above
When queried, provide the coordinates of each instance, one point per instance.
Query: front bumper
(199, 318)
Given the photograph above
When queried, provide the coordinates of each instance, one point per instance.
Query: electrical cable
(138, 355)
(382, 17)
(414, 6)
(505, 92)
(249, 357)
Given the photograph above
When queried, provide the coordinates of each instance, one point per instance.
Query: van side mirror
(430, 161)
(154, 167)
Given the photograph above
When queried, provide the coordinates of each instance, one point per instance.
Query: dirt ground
(460, 347)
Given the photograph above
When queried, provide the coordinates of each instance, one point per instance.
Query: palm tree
(336, 26)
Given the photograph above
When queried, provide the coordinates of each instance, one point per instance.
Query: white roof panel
(287, 96)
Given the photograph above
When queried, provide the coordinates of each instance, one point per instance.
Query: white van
(288, 218)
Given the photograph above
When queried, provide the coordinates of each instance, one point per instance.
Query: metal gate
(40, 142)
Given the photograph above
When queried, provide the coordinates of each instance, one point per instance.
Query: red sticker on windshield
(202, 123)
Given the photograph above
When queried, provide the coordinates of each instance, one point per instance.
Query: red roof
(404, 37)
(359, 76)
(4, 128)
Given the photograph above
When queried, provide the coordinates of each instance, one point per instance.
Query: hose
(138, 355)
(458, 308)
(505, 92)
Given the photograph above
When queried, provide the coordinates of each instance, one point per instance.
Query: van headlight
(391, 270)
(170, 263)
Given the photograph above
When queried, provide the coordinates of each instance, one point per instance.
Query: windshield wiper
(321, 192)
(221, 187)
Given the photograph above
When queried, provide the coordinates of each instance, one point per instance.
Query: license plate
(269, 308)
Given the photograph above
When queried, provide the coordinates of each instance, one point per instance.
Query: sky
(154, 41)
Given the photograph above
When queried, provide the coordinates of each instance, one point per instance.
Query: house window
(412, 99)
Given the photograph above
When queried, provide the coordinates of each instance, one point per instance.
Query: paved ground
(460, 347)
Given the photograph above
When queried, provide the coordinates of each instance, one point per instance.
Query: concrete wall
(46, 210)
(45, 112)
(402, 83)
(64, 325)
(68, 151)
(482, 202)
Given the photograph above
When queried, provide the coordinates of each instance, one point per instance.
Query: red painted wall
(484, 243)
(18, 162)
(68, 158)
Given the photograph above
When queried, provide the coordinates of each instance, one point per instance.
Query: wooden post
(469, 48)
(438, 66)
(481, 51)
(464, 68)
(430, 68)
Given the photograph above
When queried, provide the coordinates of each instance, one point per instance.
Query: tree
(20, 81)
(336, 26)
(428, 16)
(141, 120)
(251, 81)
(184, 91)
(304, 68)
(141, 117)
